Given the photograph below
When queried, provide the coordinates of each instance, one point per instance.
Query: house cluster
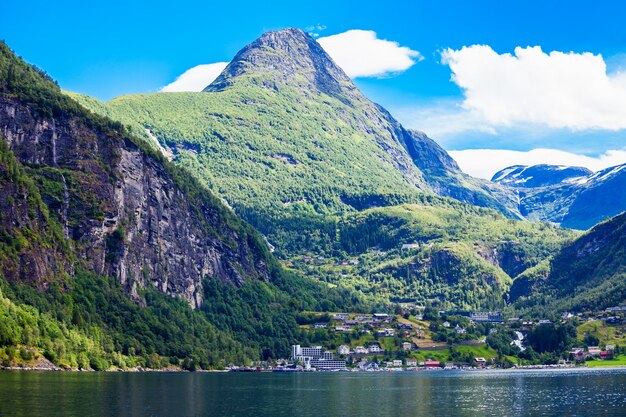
(373, 349)
(321, 259)
(407, 364)
(611, 315)
(593, 352)
(382, 324)
(615, 315)
(346, 324)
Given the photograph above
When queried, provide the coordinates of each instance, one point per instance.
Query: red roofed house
(431, 364)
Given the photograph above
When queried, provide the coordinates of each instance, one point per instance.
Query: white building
(486, 317)
(360, 350)
(328, 365)
(409, 246)
(298, 351)
(343, 328)
(380, 316)
(375, 349)
(343, 350)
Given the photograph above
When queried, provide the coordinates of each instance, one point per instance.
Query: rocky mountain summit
(539, 175)
(288, 57)
(574, 197)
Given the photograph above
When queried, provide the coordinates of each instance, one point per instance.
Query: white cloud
(560, 90)
(196, 78)
(441, 118)
(361, 54)
(315, 29)
(483, 163)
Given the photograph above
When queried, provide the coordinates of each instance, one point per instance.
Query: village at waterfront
(419, 339)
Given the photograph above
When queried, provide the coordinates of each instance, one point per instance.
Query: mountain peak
(286, 58)
(538, 175)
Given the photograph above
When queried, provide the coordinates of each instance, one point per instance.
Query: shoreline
(384, 371)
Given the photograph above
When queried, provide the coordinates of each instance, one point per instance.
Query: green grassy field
(609, 334)
(620, 360)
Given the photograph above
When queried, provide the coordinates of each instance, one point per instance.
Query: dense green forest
(79, 319)
(304, 205)
(587, 274)
(461, 256)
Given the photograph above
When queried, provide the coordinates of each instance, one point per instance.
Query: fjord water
(469, 393)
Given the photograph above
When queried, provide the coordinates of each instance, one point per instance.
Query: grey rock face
(288, 56)
(123, 212)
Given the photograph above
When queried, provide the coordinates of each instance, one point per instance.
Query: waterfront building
(431, 364)
(328, 365)
(314, 352)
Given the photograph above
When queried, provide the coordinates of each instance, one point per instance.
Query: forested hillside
(291, 144)
(587, 274)
(111, 256)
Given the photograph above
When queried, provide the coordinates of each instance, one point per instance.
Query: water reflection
(517, 393)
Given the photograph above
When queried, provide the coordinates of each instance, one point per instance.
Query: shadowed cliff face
(113, 207)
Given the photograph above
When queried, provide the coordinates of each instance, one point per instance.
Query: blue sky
(111, 48)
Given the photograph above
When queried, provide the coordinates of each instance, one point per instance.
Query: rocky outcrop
(124, 211)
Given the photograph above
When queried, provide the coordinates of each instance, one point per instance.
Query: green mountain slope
(462, 256)
(109, 254)
(287, 140)
(587, 274)
(284, 129)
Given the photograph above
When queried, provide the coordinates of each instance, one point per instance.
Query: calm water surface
(489, 393)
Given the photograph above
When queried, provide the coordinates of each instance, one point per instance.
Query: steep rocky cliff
(118, 208)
